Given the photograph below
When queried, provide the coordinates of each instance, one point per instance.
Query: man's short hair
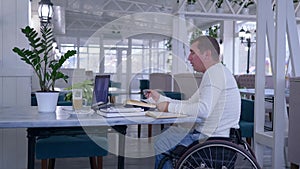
(208, 43)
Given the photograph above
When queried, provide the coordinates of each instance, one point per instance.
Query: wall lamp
(45, 12)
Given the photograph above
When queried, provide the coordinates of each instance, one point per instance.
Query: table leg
(294, 166)
(122, 132)
(270, 100)
(31, 148)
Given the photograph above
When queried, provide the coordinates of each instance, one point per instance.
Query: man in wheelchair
(217, 102)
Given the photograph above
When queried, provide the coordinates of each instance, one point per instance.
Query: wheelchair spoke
(217, 155)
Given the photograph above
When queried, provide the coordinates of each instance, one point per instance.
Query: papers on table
(164, 115)
(127, 112)
(121, 112)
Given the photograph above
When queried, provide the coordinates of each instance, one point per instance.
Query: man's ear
(207, 53)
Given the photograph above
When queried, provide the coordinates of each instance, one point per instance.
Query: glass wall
(145, 56)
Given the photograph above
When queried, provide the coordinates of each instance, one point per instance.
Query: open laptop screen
(100, 93)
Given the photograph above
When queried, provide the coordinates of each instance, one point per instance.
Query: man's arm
(201, 103)
(163, 106)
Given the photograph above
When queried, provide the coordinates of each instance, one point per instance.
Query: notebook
(139, 104)
(121, 112)
(100, 93)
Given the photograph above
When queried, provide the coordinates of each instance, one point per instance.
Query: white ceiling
(82, 18)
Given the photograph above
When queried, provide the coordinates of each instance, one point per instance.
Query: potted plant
(195, 34)
(87, 89)
(47, 69)
(191, 1)
(245, 5)
(219, 6)
(213, 31)
(191, 5)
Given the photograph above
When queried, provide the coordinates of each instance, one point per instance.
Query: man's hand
(151, 93)
(163, 106)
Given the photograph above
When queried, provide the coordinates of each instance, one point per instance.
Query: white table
(269, 97)
(29, 117)
(268, 92)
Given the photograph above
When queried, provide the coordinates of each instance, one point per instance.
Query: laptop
(100, 93)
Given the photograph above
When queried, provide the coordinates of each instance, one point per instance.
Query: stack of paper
(163, 115)
(121, 112)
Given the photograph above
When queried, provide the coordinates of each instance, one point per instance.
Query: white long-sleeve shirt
(217, 101)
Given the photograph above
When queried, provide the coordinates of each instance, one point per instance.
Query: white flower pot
(220, 10)
(190, 7)
(46, 101)
(245, 11)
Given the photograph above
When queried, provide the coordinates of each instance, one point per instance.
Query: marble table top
(29, 117)
(268, 92)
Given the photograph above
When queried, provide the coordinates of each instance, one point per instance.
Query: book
(139, 104)
(162, 115)
(121, 114)
(120, 110)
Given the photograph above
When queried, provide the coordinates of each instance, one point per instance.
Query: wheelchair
(214, 153)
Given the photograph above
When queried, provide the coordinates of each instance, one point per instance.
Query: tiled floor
(137, 152)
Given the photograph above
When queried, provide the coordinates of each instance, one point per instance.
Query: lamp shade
(248, 34)
(45, 11)
(242, 33)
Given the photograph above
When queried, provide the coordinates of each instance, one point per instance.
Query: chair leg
(100, 162)
(139, 130)
(294, 166)
(270, 116)
(44, 163)
(149, 130)
(248, 140)
(51, 163)
(162, 126)
(93, 163)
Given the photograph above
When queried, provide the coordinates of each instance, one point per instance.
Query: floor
(139, 152)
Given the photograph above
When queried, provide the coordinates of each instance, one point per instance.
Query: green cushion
(246, 128)
(64, 146)
(247, 110)
(247, 118)
(64, 103)
(144, 84)
(173, 95)
(115, 84)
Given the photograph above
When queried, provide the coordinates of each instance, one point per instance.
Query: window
(147, 56)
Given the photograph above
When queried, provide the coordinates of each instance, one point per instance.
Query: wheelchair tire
(217, 154)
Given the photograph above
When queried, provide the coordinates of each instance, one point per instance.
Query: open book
(139, 104)
(162, 115)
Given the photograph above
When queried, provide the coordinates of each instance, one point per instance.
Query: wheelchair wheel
(217, 154)
(163, 161)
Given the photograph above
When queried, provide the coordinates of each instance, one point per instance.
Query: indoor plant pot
(47, 69)
(191, 5)
(46, 101)
(245, 5)
(219, 8)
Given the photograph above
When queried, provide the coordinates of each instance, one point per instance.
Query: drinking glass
(77, 99)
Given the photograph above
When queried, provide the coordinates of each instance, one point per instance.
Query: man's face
(196, 58)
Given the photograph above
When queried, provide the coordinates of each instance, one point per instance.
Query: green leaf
(40, 55)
